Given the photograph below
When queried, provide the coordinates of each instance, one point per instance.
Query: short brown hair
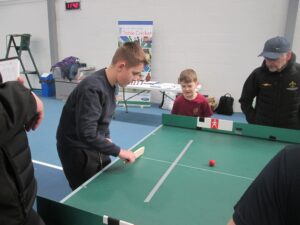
(132, 53)
(187, 76)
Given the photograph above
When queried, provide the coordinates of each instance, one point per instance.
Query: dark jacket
(86, 116)
(17, 182)
(277, 96)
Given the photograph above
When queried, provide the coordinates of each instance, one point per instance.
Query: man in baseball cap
(277, 53)
(276, 87)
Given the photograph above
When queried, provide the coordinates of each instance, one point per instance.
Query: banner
(141, 32)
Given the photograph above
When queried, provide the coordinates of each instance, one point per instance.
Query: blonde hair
(131, 53)
(188, 76)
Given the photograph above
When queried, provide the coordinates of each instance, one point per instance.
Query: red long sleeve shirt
(196, 107)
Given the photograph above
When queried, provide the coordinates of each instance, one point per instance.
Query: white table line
(166, 174)
(199, 168)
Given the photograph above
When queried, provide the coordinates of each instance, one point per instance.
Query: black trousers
(80, 164)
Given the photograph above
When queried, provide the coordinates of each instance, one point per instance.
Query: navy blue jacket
(86, 116)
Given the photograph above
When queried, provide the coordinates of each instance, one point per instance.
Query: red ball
(212, 162)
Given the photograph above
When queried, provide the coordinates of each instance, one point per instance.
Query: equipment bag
(68, 66)
(225, 106)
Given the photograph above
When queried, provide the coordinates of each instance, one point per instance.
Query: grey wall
(219, 39)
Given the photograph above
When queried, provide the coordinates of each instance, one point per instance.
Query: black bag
(225, 106)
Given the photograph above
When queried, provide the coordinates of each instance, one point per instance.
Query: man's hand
(20, 79)
(127, 156)
(39, 116)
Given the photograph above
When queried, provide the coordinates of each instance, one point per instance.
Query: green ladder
(24, 46)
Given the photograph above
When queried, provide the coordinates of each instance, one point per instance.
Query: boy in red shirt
(190, 103)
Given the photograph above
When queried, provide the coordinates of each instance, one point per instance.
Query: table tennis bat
(138, 153)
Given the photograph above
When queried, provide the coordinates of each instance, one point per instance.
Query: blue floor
(51, 180)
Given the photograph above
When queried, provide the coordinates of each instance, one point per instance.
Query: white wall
(219, 39)
(25, 16)
(296, 43)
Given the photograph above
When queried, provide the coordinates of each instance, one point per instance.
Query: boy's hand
(127, 156)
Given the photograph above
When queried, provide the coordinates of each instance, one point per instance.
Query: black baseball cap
(275, 47)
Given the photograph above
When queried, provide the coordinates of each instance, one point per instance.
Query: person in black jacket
(83, 136)
(274, 196)
(276, 87)
(20, 110)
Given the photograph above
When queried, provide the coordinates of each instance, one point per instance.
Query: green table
(172, 183)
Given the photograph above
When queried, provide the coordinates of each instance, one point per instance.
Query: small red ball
(212, 163)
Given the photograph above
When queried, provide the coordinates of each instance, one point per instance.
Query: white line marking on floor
(166, 174)
(47, 164)
(202, 169)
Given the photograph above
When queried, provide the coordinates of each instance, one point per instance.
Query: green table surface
(193, 193)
